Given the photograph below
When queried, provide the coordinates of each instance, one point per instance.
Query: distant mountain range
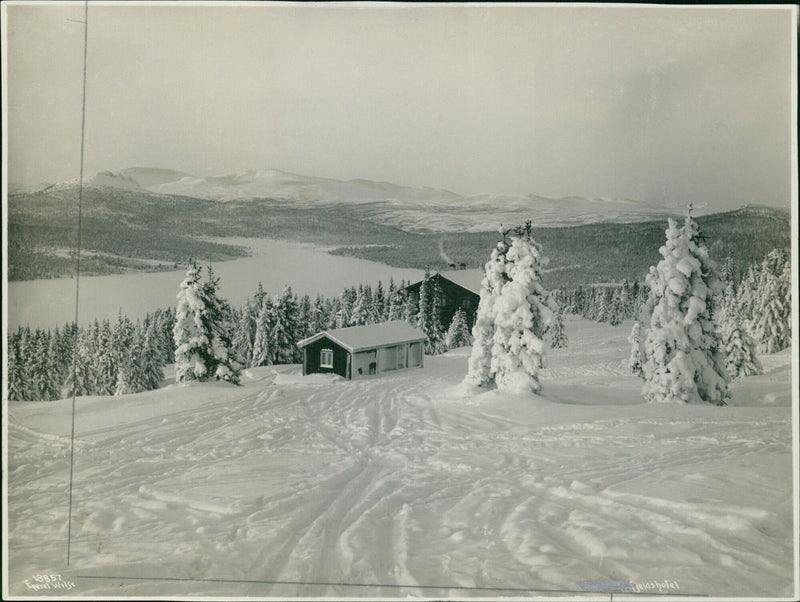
(409, 208)
(143, 219)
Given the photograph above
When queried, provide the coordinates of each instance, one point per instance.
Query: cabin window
(326, 358)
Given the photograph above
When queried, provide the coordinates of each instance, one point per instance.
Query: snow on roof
(370, 336)
(468, 279)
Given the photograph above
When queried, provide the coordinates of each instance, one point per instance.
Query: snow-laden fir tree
(122, 341)
(202, 331)
(480, 371)
(435, 332)
(285, 329)
(317, 316)
(131, 374)
(635, 358)
(15, 370)
(771, 304)
(105, 361)
(81, 381)
(193, 353)
(740, 355)
(558, 334)
(409, 309)
(423, 305)
(263, 351)
(220, 326)
(602, 304)
(523, 312)
(616, 310)
(152, 365)
(458, 332)
(304, 318)
(395, 307)
(429, 313)
(42, 382)
(359, 314)
(771, 324)
(683, 359)
(243, 336)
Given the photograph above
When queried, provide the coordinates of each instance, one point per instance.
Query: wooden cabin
(361, 351)
(461, 289)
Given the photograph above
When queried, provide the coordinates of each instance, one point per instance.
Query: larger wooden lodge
(461, 289)
(360, 351)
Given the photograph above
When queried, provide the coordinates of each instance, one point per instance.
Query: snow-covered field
(407, 485)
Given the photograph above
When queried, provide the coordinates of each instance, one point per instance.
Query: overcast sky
(667, 104)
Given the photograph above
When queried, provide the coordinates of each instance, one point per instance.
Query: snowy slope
(295, 486)
(410, 208)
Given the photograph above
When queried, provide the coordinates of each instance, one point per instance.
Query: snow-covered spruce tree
(43, 385)
(409, 309)
(395, 307)
(771, 324)
(304, 318)
(202, 331)
(105, 361)
(373, 313)
(242, 337)
(80, 381)
(194, 356)
(458, 333)
(221, 326)
(683, 358)
(602, 304)
(318, 317)
(263, 351)
(558, 335)
(125, 357)
(433, 322)
(480, 371)
(131, 374)
(423, 305)
(635, 358)
(616, 310)
(740, 355)
(15, 370)
(284, 335)
(152, 365)
(360, 313)
(523, 312)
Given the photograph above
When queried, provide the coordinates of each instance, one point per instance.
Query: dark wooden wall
(454, 296)
(313, 350)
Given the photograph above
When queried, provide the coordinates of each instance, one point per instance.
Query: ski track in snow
(401, 480)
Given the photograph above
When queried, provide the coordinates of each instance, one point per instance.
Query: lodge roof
(468, 279)
(357, 338)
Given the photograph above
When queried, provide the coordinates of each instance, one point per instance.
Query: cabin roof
(357, 338)
(468, 279)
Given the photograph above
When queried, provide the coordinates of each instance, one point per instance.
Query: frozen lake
(307, 269)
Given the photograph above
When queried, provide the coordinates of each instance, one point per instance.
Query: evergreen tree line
(207, 338)
(756, 301)
(760, 302)
(610, 303)
(112, 359)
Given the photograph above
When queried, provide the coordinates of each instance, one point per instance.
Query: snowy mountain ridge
(409, 208)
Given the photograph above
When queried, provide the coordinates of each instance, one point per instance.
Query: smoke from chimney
(444, 255)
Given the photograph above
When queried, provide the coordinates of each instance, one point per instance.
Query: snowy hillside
(409, 208)
(407, 485)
